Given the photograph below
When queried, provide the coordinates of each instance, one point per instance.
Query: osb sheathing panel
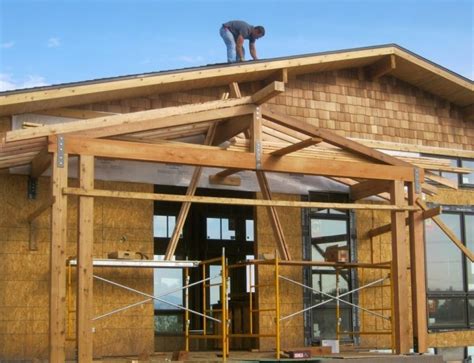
(24, 274)
(381, 251)
(387, 109)
(291, 329)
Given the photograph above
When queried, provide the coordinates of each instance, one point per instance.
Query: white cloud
(54, 42)
(190, 59)
(7, 82)
(7, 45)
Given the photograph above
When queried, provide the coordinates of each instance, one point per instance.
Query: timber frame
(126, 137)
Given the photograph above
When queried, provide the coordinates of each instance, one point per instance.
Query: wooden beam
(280, 75)
(448, 232)
(350, 182)
(183, 213)
(235, 90)
(298, 146)
(399, 276)
(331, 137)
(368, 188)
(139, 121)
(230, 201)
(85, 245)
(74, 113)
(440, 180)
(40, 163)
(430, 213)
(57, 296)
(229, 159)
(268, 92)
(230, 128)
(418, 274)
(43, 208)
(382, 67)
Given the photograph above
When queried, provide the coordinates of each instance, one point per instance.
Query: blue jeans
(229, 41)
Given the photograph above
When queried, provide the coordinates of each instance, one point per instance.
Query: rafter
(298, 146)
(40, 163)
(142, 120)
(268, 92)
(382, 67)
(368, 188)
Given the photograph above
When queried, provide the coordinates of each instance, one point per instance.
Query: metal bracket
(258, 155)
(417, 181)
(60, 161)
(32, 187)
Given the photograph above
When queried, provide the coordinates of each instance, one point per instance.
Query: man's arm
(253, 50)
(239, 48)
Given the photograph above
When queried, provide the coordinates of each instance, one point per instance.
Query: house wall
(343, 101)
(24, 274)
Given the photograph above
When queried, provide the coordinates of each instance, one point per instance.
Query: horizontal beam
(229, 201)
(429, 213)
(74, 113)
(298, 146)
(125, 121)
(40, 163)
(228, 159)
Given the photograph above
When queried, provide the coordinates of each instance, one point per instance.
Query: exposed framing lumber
(418, 274)
(331, 138)
(142, 120)
(430, 213)
(399, 276)
(229, 159)
(74, 113)
(440, 180)
(229, 180)
(468, 253)
(230, 201)
(382, 67)
(43, 208)
(85, 243)
(280, 75)
(368, 188)
(230, 128)
(40, 163)
(235, 90)
(57, 296)
(268, 92)
(183, 213)
(298, 146)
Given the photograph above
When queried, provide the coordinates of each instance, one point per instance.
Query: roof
(409, 67)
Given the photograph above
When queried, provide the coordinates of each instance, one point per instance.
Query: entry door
(329, 227)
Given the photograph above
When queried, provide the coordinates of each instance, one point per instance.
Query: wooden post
(418, 274)
(85, 243)
(57, 296)
(399, 271)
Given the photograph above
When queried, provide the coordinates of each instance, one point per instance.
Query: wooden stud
(57, 297)
(230, 128)
(235, 90)
(85, 244)
(418, 274)
(298, 146)
(280, 75)
(399, 276)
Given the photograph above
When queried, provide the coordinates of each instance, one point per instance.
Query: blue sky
(53, 41)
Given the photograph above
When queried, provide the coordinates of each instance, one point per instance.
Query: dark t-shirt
(238, 27)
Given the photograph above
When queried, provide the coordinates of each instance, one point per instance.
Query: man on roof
(234, 33)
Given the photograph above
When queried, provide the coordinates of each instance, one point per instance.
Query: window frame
(459, 163)
(466, 295)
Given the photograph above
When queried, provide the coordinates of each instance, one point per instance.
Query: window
(220, 228)
(163, 226)
(450, 276)
(463, 180)
(168, 283)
